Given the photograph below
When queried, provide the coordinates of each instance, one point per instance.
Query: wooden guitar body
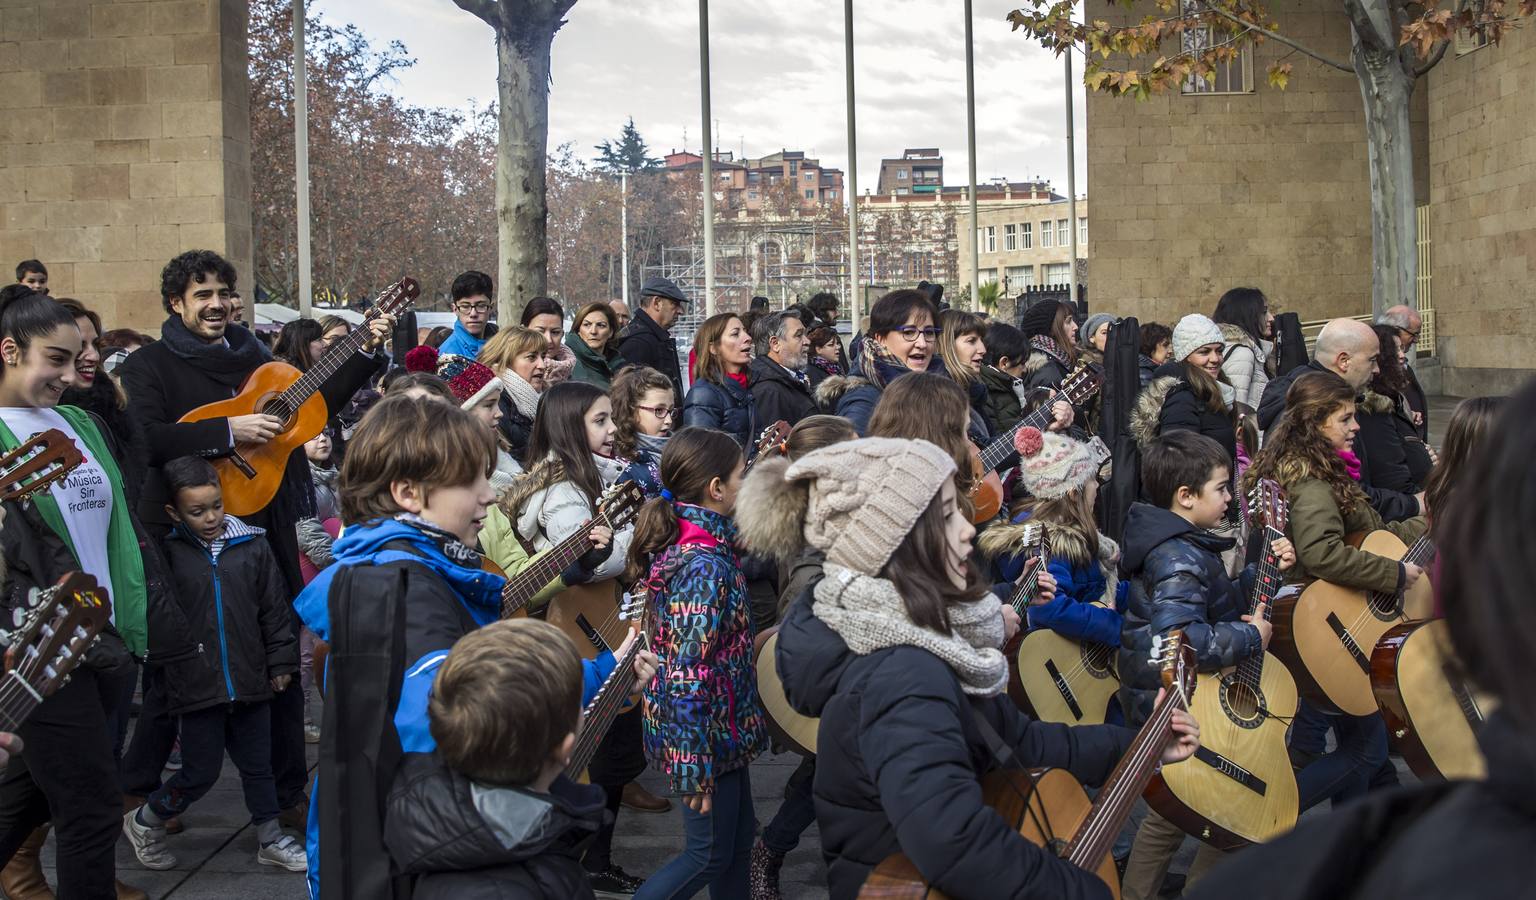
(1239, 787)
(792, 729)
(249, 488)
(987, 494)
(598, 603)
(1026, 801)
(1431, 712)
(1326, 635)
(1067, 681)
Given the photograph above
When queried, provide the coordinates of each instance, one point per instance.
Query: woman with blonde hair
(517, 357)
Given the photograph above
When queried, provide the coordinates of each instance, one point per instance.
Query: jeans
(153, 738)
(1309, 729)
(782, 835)
(242, 729)
(67, 771)
(1345, 773)
(719, 846)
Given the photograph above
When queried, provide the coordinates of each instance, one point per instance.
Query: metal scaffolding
(785, 261)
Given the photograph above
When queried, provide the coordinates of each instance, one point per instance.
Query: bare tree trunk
(1386, 85)
(522, 80)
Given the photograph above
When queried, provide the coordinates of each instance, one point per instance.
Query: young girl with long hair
(82, 523)
(963, 352)
(897, 650)
(1248, 348)
(643, 415)
(703, 721)
(903, 336)
(1308, 454)
(1466, 434)
(518, 357)
(719, 397)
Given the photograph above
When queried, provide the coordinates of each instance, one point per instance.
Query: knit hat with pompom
(421, 359)
(1052, 466)
(470, 381)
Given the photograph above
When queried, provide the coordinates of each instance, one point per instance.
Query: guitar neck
(326, 366)
(525, 585)
(994, 453)
(603, 709)
(1029, 582)
(1266, 584)
(1112, 808)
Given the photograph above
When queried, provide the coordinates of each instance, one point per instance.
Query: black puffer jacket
(726, 407)
(515, 429)
(644, 343)
(1392, 844)
(238, 610)
(779, 394)
(1177, 581)
(468, 842)
(899, 758)
(1169, 404)
(1398, 457)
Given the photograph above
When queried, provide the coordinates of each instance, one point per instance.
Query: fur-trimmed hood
(1372, 403)
(770, 512)
(1066, 542)
(1149, 407)
(831, 390)
(1233, 335)
(541, 476)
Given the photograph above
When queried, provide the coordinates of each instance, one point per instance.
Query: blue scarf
(462, 343)
(479, 591)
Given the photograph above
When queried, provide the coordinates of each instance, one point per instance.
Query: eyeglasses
(472, 307)
(660, 412)
(910, 333)
(1413, 336)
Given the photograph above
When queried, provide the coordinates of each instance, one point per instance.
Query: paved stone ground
(218, 849)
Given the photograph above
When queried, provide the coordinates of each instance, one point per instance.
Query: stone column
(126, 141)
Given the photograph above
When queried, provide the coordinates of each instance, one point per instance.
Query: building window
(1017, 279)
(1063, 237)
(1026, 231)
(831, 195)
(1058, 273)
(1010, 237)
(1233, 77)
(1047, 234)
(902, 192)
(989, 239)
(1082, 229)
(810, 195)
(987, 276)
(751, 195)
(901, 174)
(810, 176)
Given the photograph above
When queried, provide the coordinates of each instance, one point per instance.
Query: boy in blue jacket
(406, 585)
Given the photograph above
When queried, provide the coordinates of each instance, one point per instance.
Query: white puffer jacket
(1244, 362)
(553, 513)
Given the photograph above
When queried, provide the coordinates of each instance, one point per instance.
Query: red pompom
(1028, 441)
(421, 359)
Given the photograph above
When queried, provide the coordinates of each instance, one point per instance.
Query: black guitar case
(1122, 382)
(1292, 350)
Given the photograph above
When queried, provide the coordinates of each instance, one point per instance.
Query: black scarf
(227, 365)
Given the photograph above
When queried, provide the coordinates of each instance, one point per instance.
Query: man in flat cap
(645, 341)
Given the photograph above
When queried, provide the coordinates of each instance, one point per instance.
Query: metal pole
(709, 159)
(851, 187)
(1066, 58)
(624, 227)
(301, 159)
(970, 143)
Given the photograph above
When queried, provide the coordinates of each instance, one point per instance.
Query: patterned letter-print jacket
(702, 715)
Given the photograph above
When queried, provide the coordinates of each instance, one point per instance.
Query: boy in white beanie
(896, 649)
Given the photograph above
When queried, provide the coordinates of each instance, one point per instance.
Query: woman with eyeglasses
(643, 413)
(903, 336)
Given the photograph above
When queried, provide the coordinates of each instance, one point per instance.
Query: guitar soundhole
(1096, 659)
(1242, 702)
(278, 409)
(1385, 607)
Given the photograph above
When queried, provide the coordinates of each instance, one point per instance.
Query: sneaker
(285, 853)
(614, 882)
(311, 733)
(764, 872)
(148, 843)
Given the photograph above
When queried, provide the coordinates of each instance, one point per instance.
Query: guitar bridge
(1231, 769)
(1066, 689)
(241, 464)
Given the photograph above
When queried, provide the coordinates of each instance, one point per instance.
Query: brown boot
(126, 892)
(132, 802)
(639, 799)
(22, 878)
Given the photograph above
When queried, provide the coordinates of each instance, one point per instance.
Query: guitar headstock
(771, 437)
(1267, 505)
(621, 504)
(1176, 662)
(56, 631)
(395, 298)
(38, 462)
(1083, 382)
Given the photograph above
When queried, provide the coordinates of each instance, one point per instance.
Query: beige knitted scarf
(869, 615)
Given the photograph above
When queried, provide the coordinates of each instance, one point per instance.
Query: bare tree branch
(485, 10)
(1274, 36)
(1434, 60)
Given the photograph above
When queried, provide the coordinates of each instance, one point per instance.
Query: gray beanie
(1193, 332)
(1085, 334)
(866, 495)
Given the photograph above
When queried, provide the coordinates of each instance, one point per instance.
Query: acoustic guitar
(987, 490)
(1325, 636)
(56, 629)
(1432, 713)
(1065, 680)
(1051, 810)
(1239, 787)
(788, 727)
(613, 697)
(617, 509)
(36, 463)
(251, 473)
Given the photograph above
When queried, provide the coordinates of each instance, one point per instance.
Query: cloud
(776, 78)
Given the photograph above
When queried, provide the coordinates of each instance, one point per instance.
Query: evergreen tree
(627, 154)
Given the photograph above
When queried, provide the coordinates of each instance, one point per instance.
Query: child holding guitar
(1179, 582)
(1308, 454)
(897, 649)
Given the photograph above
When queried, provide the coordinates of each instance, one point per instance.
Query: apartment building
(1025, 245)
(777, 183)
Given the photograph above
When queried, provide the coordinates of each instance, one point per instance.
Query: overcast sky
(777, 78)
